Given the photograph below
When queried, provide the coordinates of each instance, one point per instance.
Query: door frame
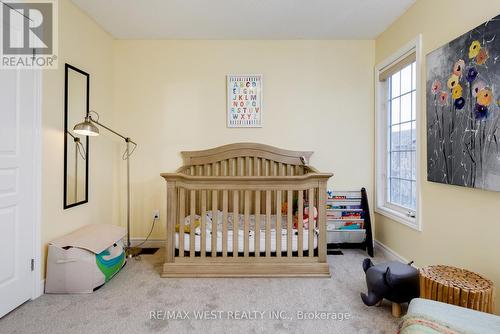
(38, 283)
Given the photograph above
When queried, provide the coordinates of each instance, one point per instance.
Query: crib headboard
(245, 159)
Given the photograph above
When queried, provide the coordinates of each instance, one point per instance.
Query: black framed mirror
(76, 147)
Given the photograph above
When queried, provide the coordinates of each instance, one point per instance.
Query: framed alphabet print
(244, 101)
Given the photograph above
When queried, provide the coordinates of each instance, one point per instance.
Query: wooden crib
(240, 210)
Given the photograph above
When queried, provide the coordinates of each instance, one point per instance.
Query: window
(397, 136)
(402, 141)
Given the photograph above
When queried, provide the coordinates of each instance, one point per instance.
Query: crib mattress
(251, 246)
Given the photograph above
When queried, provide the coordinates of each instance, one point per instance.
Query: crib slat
(268, 223)
(247, 166)
(322, 224)
(300, 223)
(203, 246)
(224, 168)
(255, 166)
(277, 229)
(288, 169)
(235, 222)
(246, 237)
(215, 217)
(172, 206)
(182, 214)
(231, 167)
(257, 224)
(310, 222)
(289, 226)
(214, 169)
(263, 172)
(192, 199)
(224, 222)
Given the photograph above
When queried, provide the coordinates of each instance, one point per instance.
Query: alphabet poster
(244, 101)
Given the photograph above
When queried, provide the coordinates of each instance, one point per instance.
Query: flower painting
(463, 109)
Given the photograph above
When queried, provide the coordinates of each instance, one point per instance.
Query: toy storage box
(85, 259)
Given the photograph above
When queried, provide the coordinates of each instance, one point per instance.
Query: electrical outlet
(156, 214)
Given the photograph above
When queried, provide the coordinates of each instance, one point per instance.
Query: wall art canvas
(463, 109)
(244, 101)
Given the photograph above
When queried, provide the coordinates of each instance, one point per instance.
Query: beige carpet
(125, 304)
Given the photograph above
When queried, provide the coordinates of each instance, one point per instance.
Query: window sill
(399, 217)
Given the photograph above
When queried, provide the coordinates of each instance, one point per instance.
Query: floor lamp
(88, 128)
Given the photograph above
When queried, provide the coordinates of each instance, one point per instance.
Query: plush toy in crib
(305, 218)
(295, 207)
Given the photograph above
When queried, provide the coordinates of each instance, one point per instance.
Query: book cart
(348, 221)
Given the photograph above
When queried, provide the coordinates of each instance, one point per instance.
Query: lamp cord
(147, 238)
(96, 113)
(126, 154)
(80, 149)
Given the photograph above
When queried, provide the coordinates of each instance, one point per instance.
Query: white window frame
(382, 205)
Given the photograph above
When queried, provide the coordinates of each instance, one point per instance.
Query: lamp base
(131, 252)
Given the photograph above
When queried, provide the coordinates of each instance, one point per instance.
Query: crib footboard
(246, 226)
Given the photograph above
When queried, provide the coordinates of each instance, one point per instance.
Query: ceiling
(244, 19)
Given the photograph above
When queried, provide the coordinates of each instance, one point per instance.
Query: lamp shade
(86, 128)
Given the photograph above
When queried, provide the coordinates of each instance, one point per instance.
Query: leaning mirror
(76, 147)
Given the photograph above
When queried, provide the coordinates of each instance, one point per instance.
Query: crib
(246, 210)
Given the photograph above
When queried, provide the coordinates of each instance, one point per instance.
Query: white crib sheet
(241, 220)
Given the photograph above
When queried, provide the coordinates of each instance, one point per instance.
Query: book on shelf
(352, 226)
(339, 214)
(336, 206)
(343, 195)
(340, 224)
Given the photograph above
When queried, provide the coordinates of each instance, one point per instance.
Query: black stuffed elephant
(394, 281)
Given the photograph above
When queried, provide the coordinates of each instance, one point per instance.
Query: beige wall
(460, 226)
(171, 96)
(85, 45)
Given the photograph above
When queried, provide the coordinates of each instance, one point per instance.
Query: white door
(17, 186)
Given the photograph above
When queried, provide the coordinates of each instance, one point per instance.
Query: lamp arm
(127, 139)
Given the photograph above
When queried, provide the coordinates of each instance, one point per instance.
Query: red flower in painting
(443, 98)
(458, 68)
(482, 57)
(436, 87)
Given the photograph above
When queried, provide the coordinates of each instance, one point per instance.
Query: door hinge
(32, 264)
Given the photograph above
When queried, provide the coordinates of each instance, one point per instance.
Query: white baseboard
(388, 252)
(148, 244)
